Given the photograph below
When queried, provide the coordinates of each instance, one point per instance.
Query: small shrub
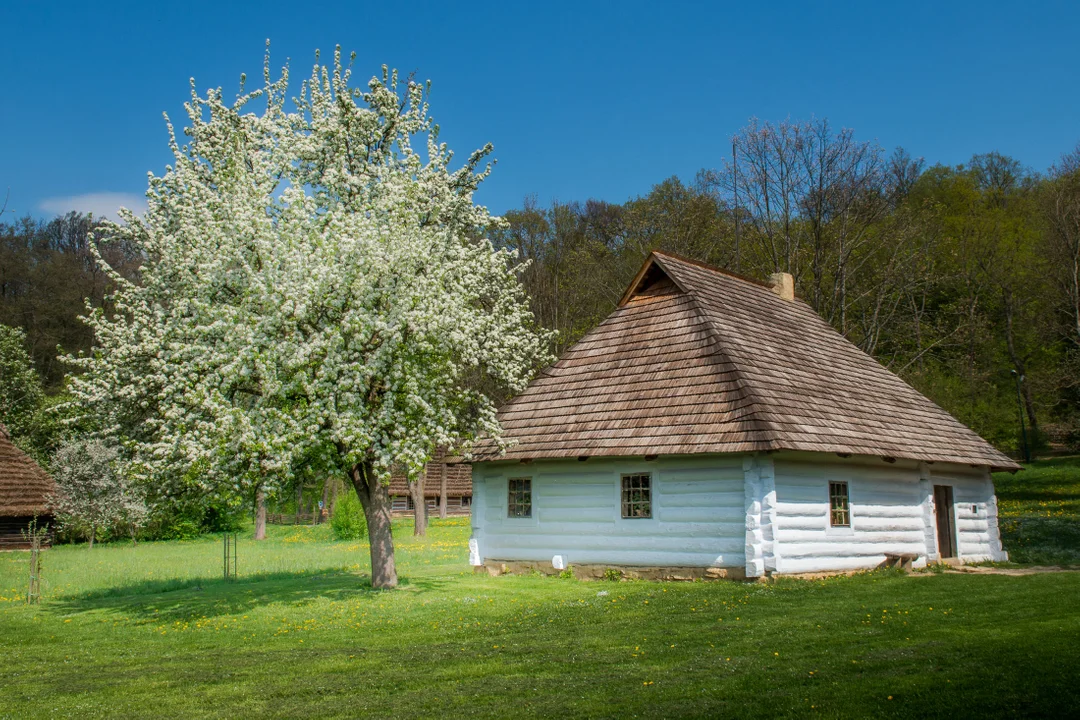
(568, 573)
(613, 574)
(221, 518)
(349, 522)
(189, 517)
(178, 528)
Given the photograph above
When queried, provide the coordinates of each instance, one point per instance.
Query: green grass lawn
(1039, 512)
(154, 631)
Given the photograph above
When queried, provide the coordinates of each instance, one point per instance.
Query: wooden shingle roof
(695, 360)
(24, 486)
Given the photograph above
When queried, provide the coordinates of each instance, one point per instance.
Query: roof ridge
(712, 268)
(774, 436)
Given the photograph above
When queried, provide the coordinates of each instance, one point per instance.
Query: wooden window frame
(635, 496)
(431, 502)
(519, 498)
(839, 504)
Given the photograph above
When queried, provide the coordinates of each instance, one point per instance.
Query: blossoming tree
(316, 293)
(92, 494)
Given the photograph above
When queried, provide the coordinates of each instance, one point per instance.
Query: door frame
(945, 523)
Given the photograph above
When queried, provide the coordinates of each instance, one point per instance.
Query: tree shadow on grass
(1054, 493)
(188, 599)
(1041, 540)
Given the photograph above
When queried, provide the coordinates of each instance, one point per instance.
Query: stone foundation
(611, 572)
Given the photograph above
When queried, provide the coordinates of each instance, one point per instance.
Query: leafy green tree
(20, 387)
(992, 282)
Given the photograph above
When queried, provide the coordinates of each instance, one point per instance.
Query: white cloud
(103, 204)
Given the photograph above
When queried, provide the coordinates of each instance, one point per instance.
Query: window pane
(839, 510)
(519, 502)
(637, 496)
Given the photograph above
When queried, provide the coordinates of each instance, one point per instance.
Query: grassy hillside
(153, 630)
(1039, 509)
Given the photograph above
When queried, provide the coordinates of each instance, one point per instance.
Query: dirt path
(990, 570)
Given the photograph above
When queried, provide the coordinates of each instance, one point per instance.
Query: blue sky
(580, 99)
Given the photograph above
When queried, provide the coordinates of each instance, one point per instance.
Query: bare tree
(769, 178)
(1061, 209)
(814, 202)
(901, 173)
(843, 199)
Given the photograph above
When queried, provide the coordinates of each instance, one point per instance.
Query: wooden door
(946, 532)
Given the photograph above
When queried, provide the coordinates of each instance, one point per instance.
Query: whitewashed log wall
(886, 515)
(768, 513)
(698, 515)
(892, 512)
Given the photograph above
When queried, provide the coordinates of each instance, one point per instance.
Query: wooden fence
(294, 519)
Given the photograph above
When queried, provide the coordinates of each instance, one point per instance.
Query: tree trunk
(416, 490)
(299, 503)
(375, 499)
(333, 498)
(1029, 407)
(92, 530)
(1018, 363)
(442, 492)
(260, 514)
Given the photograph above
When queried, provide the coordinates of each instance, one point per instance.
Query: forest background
(964, 280)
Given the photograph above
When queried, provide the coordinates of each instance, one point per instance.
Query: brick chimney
(783, 284)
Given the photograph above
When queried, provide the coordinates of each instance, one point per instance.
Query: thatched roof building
(24, 491)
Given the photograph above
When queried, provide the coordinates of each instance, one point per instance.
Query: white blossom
(315, 292)
(92, 493)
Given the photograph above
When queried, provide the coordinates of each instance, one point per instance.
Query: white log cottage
(716, 426)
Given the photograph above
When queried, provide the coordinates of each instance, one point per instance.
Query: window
(466, 500)
(839, 511)
(637, 496)
(519, 503)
